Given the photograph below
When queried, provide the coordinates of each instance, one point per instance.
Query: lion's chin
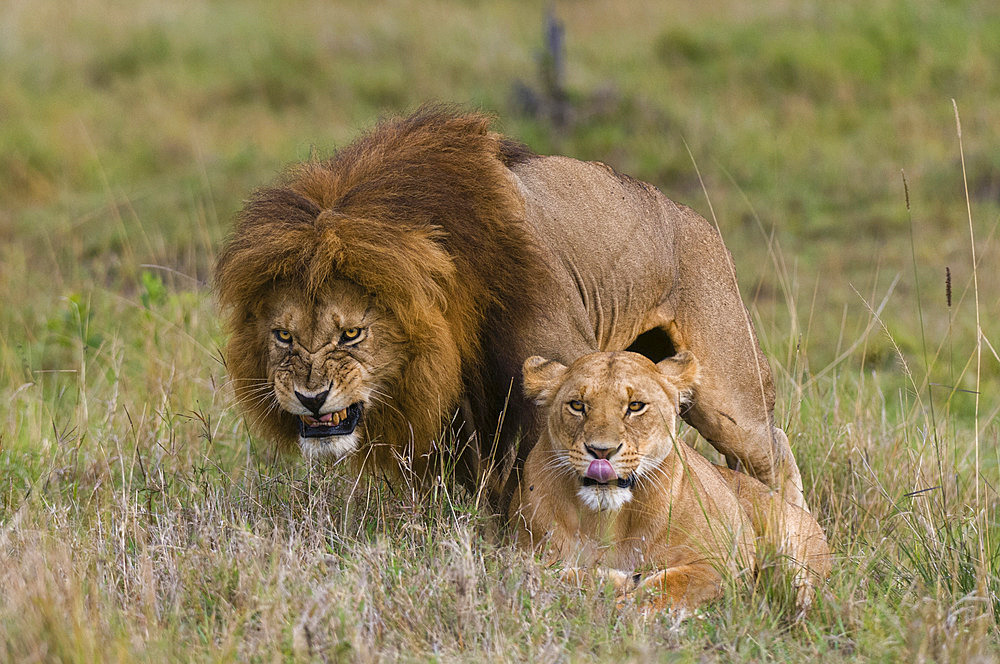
(330, 447)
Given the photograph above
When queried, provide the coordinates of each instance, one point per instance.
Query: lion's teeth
(336, 419)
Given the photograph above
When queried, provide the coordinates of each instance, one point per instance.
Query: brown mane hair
(421, 213)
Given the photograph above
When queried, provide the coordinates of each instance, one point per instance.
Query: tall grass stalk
(981, 508)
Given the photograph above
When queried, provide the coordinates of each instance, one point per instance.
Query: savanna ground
(139, 520)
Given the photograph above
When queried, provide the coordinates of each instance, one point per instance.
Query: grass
(138, 520)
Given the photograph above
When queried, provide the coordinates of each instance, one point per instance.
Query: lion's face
(611, 418)
(329, 360)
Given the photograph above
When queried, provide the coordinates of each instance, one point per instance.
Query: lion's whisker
(274, 405)
(251, 394)
(255, 401)
(383, 402)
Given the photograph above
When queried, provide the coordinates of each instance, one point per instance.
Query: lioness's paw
(584, 577)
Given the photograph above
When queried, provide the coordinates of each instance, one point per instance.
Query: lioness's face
(328, 361)
(611, 418)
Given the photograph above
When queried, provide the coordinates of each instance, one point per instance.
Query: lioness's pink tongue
(601, 471)
(326, 417)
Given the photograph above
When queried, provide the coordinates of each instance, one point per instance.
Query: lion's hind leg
(733, 403)
(786, 533)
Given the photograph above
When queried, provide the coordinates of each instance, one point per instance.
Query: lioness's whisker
(557, 463)
(547, 474)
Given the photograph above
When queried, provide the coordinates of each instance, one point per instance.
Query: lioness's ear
(542, 378)
(681, 371)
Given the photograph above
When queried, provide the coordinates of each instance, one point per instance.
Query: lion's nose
(314, 402)
(602, 452)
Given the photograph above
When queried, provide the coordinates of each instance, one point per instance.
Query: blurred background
(131, 131)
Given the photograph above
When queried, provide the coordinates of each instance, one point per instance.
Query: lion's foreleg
(787, 535)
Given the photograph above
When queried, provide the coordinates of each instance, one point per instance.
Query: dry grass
(137, 552)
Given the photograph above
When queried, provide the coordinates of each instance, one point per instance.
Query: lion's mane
(421, 213)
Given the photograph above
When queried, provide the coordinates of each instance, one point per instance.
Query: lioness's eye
(636, 406)
(577, 406)
(283, 336)
(351, 335)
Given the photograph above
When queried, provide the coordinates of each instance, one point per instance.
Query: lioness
(609, 486)
(372, 296)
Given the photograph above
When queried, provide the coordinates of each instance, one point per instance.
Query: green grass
(138, 520)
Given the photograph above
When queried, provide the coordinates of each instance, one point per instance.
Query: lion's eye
(577, 406)
(351, 335)
(283, 336)
(636, 406)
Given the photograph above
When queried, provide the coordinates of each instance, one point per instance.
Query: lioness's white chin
(604, 497)
(330, 447)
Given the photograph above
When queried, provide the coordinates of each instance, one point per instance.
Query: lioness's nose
(602, 452)
(314, 402)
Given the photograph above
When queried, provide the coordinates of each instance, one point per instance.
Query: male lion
(610, 486)
(373, 296)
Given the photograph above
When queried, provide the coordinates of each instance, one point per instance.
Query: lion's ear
(542, 378)
(681, 371)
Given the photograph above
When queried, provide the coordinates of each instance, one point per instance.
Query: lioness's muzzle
(601, 473)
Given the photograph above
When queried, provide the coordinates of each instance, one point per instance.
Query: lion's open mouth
(331, 424)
